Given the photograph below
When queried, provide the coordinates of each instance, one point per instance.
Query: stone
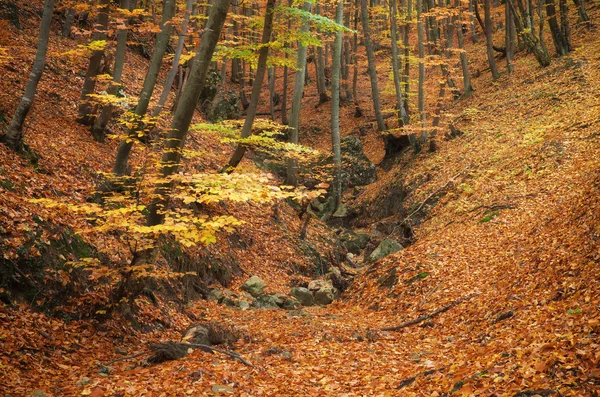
(224, 106)
(215, 294)
(266, 301)
(242, 305)
(385, 248)
(229, 302)
(296, 313)
(290, 304)
(358, 169)
(316, 285)
(255, 286)
(37, 393)
(247, 295)
(342, 211)
(229, 293)
(325, 296)
(83, 381)
(280, 299)
(354, 242)
(303, 295)
(222, 389)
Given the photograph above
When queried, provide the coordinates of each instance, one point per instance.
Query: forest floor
(510, 246)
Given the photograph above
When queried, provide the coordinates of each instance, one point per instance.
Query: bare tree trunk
(335, 108)
(99, 127)
(320, 68)
(354, 56)
(84, 114)
(533, 42)
(583, 15)
(488, 38)
(182, 118)
(421, 91)
(284, 107)
(509, 38)
(256, 87)
(402, 116)
(14, 134)
(372, 66)
(162, 41)
(468, 88)
(297, 98)
(406, 41)
(69, 18)
(173, 71)
(272, 93)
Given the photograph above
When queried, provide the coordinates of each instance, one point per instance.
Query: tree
(402, 116)
(99, 127)
(14, 134)
(372, 67)
(488, 38)
(335, 107)
(421, 91)
(526, 31)
(297, 96)
(182, 117)
(137, 123)
(84, 114)
(560, 33)
(509, 38)
(261, 67)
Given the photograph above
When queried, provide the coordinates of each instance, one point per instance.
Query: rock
(296, 313)
(255, 286)
(242, 305)
(290, 304)
(385, 248)
(359, 169)
(266, 301)
(215, 294)
(224, 106)
(247, 295)
(229, 302)
(325, 296)
(229, 293)
(197, 334)
(280, 298)
(342, 211)
(83, 381)
(303, 295)
(222, 389)
(316, 285)
(337, 280)
(288, 355)
(37, 393)
(354, 242)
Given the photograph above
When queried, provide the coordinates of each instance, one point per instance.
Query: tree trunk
(99, 127)
(14, 134)
(162, 41)
(583, 15)
(406, 41)
(354, 56)
(173, 71)
(468, 88)
(533, 42)
(320, 68)
(372, 67)
(509, 38)
(272, 93)
(421, 92)
(402, 116)
(335, 108)
(182, 118)
(560, 42)
(297, 98)
(263, 53)
(488, 38)
(84, 114)
(69, 18)
(284, 107)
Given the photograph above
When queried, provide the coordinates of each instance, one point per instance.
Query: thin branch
(428, 316)
(429, 294)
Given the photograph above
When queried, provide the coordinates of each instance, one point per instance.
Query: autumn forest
(299, 198)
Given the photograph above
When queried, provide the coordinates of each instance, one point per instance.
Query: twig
(210, 349)
(126, 358)
(434, 193)
(429, 294)
(428, 316)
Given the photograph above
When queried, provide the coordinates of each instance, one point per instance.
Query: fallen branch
(126, 358)
(428, 316)
(429, 294)
(170, 350)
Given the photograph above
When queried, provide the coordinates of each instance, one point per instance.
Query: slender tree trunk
(175, 65)
(256, 87)
(284, 107)
(182, 118)
(320, 67)
(509, 38)
(14, 134)
(533, 42)
(421, 91)
(335, 108)
(402, 116)
(406, 41)
(69, 18)
(148, 88)
(84, 114)
(99, 127)
(583, 15)
(372, 66)
(272, 75)
(297, 98)
(488, 38)
(463, 61)
(354, 56)
(472, 19)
